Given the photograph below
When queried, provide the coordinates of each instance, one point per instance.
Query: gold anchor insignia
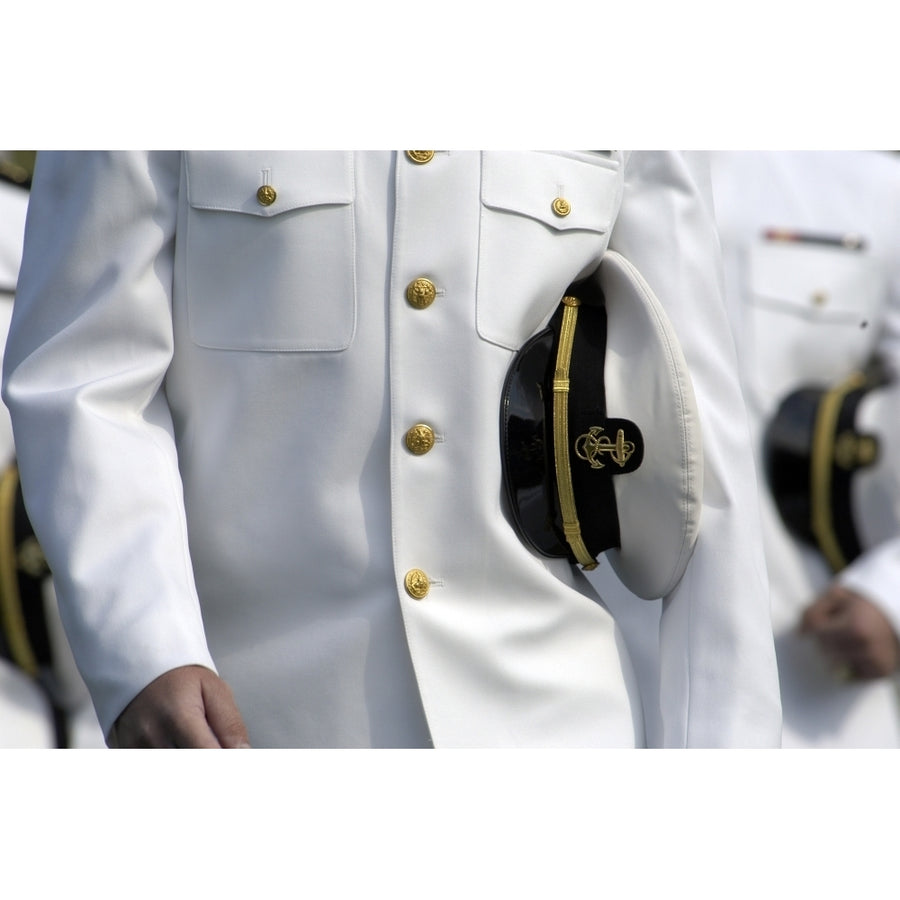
(593, 443)
(855, 451)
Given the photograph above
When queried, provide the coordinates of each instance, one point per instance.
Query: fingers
(826, 612)
(162, 727)
(854, 634)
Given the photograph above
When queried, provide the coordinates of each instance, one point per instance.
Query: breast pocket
(545, 221)
(270, 255)
(815, 313)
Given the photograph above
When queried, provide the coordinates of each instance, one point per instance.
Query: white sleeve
(718, 676)
(88, 349)
(876, 573)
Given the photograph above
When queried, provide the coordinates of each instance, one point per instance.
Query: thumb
(222, 714)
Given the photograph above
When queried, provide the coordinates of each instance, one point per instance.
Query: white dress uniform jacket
(810, 313)
(214, 364)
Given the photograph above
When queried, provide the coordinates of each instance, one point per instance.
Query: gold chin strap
(821, 512)
(571, 525)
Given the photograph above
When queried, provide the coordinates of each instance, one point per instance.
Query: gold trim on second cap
(417, 584)
(821, 459)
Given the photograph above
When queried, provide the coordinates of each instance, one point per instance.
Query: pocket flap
(815, 281)
(229, 181)
(529, 183)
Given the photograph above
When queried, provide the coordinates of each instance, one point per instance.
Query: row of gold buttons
(420, 294)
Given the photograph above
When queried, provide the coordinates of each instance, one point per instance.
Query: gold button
(561, 206)
(421, 293)
(420, 156)
(266, 195)
(416, 584)
(819, 298)
(419, 439)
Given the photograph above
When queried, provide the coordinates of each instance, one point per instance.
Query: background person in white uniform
(47, 706)
(811, 244)
(215, 367)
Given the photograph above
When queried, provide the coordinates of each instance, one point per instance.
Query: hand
(186, 707)
(853, 632)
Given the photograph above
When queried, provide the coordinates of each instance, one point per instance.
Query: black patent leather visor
(528, 448)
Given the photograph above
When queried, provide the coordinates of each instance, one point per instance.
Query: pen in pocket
(847, 241)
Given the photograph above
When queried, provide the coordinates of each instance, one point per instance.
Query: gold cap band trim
(822, 458)
(571, 525)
